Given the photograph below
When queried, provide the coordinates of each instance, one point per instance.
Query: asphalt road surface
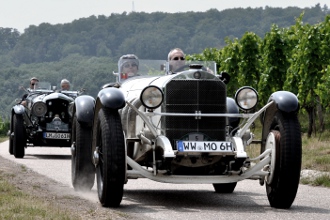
(152, 200)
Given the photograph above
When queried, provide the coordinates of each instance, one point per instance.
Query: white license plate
(204, 146)
(52, 135)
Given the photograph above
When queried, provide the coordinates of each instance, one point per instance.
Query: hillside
(86, 50)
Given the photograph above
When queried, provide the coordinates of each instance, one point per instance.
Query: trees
(249, 65)
(306, 74)
(295, 59)
(8, 39)
(275, 51)
(115, 34)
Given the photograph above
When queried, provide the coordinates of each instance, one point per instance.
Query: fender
(84, 109)
(111, 98)
(19, 109)
(232, 108)
(285, 101)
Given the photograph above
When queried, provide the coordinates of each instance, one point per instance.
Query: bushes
(4, 127)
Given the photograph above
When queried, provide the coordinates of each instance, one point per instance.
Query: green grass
(323, 180)
(15, 204)
(4, 138)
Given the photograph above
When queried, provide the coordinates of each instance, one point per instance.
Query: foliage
(88, 73)
(229, 63)
(147, 35)
(294, 58)
(4, 127)
(249, 65)
(275, 55)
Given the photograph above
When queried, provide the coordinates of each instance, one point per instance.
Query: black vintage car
(182, 128)
(45, 119)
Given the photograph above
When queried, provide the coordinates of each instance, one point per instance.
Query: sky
(20, 14)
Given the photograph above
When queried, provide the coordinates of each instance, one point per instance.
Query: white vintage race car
(182, 128)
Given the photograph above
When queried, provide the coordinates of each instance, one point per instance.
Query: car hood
(52, 96)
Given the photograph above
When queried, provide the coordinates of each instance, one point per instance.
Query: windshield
(42, 86)
(161, 67)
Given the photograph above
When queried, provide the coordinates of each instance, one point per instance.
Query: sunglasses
(32, 84)
(130, 65)
(178, 58)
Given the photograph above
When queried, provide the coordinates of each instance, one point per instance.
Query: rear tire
(111, 168)
(82, 168)
(224, 187)
(19, 138)
(283, 181)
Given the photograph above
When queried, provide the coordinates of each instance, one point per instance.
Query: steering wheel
(181, 68)
(186, 66)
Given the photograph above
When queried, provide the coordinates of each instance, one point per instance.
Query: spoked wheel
(224, 187)
(82, 168)
(111, 167)
(19, 138)
(284, 139)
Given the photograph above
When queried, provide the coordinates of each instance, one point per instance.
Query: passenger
(65, 84)
(176, 59)
(33, 84)
(128, 66)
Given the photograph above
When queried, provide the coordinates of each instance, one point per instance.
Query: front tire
(19, 138)
(284, 139)
(111, 168)
(224, 187)
(82, 168)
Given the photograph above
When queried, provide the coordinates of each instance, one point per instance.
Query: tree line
(294, 58)
(149, 35)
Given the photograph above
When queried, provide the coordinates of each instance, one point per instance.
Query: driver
(176, 59)
(33, 84)
(128, 66)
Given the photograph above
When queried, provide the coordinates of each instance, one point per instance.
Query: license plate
(204, 146)
(52, 135)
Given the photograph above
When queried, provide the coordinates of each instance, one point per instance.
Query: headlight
(39, 109)
(246, 98)
(152, 97)
(70, 109)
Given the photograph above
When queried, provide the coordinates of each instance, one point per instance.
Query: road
(153, 200)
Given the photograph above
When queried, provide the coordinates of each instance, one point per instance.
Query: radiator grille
(58, 107)
(189, 96)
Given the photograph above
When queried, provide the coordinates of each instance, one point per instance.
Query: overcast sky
(20, 14)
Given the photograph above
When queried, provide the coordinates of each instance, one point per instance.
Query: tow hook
(73, 148)
(96, 156)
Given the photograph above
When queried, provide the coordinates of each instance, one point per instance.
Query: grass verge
(15, 204)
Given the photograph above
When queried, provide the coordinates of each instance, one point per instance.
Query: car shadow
(53, 156)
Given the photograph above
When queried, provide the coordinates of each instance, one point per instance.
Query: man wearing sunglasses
(176, 58)
(33, 84)
(128, 66)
